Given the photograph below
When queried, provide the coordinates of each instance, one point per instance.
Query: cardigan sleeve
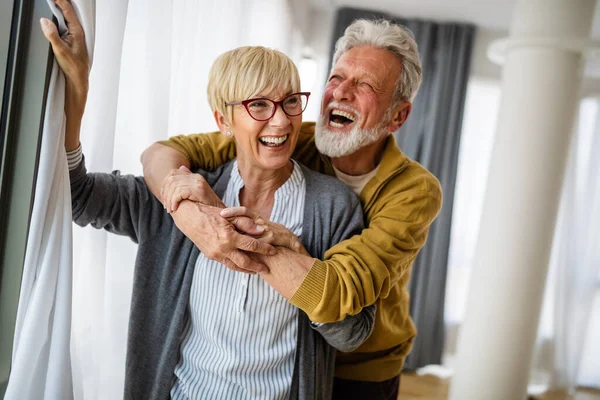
(121, 204)
(348, 334)
(337, 216)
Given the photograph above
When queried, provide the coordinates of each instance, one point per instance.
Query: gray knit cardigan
(164, 268)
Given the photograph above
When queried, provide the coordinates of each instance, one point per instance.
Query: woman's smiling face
(269, 144)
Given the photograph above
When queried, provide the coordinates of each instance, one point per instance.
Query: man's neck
(362, 161)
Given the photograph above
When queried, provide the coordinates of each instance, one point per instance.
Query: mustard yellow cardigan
(399, 204)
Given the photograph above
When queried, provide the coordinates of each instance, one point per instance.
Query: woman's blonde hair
(243, 73)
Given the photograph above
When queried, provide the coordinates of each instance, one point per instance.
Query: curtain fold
(41, 362)
(431, 136)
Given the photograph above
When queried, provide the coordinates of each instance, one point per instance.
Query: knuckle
(252, 245)
(243, 263)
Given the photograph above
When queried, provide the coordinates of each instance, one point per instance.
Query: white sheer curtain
(577, 261)
(41, 362)
(567, 354)
(148, 82)
(477, 138)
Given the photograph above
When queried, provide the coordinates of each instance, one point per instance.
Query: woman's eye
(291, 101)
(258, 104)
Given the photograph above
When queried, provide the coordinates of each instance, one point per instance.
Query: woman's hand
(72, 57)
(218, 239)
(70, 50)
(275, 234)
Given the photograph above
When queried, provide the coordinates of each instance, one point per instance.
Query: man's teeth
(336, 124)
(343, 114)
(276, 141)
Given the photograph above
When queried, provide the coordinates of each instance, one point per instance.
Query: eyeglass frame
(277, 104)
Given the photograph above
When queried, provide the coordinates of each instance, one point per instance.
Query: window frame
(26, 61)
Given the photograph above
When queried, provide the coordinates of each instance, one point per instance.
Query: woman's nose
(280, 118)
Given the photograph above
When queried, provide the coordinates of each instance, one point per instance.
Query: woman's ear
(222, 123)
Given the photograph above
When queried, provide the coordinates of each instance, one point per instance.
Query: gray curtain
(431, 136)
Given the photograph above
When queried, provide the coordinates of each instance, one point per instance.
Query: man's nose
(344, 92)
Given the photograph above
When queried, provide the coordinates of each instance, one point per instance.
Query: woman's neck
(258, 193)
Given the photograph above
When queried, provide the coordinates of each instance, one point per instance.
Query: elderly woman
(198, 329)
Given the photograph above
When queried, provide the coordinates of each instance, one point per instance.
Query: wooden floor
(429, 387)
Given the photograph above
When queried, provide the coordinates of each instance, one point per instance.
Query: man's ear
(399, 116)
(221, 122)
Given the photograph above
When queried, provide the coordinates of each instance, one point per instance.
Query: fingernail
(44, 22)
(260, 228)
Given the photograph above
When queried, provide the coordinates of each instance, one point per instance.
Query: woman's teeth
(273, 141)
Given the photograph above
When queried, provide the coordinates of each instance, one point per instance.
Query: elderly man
(376, 74)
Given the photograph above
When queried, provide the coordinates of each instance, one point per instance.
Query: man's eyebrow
(361, 72)
(368, 75)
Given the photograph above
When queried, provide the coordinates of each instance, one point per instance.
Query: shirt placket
(244, 282)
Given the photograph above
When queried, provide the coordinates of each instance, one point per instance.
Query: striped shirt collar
(237, 183)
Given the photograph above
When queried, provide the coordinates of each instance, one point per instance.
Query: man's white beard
(336, 144)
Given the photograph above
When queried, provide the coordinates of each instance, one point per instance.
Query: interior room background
(148, 82)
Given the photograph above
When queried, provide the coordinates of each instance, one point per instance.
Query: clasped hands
(236, 237)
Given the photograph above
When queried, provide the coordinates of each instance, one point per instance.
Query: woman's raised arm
(72, 57)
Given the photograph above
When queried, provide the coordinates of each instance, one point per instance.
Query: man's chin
(335, 143)
(332, 144)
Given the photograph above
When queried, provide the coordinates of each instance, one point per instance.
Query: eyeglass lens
(263, 109)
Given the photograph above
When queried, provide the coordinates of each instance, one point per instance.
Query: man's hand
(181, 184)
(274, 234)
(218, 239)
(286, 270)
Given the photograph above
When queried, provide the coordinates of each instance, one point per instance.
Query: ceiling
(490, 14)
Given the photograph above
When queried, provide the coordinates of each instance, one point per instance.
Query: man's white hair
(395, 38)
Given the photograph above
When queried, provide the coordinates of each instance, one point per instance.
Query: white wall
(316, 28)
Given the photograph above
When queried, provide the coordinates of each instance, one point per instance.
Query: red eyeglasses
(262, 109)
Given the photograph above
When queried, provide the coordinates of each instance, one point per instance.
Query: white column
(541, 78)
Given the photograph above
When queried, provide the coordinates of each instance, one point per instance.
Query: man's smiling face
(357, 101)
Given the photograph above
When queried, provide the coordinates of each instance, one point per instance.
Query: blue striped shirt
(240, 339)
